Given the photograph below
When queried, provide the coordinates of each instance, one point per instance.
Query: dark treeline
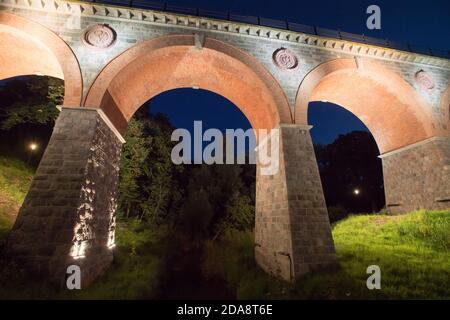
(27, 115)
(202, 200)
(351, 163)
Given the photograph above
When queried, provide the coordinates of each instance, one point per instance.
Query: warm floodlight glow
(356, 191)
(78, 250)
(33, 146)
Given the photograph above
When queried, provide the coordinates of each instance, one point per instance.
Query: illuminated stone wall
(69, 210)
(72, 20)
(418, 177)
(292, 229)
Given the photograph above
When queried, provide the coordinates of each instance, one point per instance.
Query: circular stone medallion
(424, 80)
(100, 36)
(285, 59)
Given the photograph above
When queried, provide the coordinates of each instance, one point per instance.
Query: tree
(197, 213)
(134, 156)
(351, 162)
(33, 101)
(200, 199)
(146, 180)
(158, 172)
(239, 214)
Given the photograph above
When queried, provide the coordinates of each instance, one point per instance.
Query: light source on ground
(356, 191)
(33, 146)
(78, 250)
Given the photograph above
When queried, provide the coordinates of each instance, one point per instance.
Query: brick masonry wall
(68, 214)
(291, 215)
(418, 177)
(70, 25)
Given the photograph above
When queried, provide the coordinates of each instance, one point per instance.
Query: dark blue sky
(184, 106)
(424, 23)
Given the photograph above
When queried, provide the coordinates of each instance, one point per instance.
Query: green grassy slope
(15, 180)
(138, 267)
(412, 251)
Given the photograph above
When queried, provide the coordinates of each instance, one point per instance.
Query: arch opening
(28, 48)
(348, 161)
(201, 202)
(393, 111)
(27, 117)
(172, 62)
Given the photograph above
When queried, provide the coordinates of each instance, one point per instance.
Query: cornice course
(88, 9)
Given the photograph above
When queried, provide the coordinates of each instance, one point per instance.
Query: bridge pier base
(68, 216)
(292, 231)
(418, 176)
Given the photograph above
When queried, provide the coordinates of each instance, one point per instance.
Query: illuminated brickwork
(113, 59)
(66, 216)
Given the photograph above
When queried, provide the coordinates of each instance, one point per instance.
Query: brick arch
(170, 62)
(393, 111)
(28, 48)
(445, 111)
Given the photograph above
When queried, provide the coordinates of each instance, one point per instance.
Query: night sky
(417, 22)
(424, 23)
(184, 106)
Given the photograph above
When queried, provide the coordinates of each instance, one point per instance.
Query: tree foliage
(203, 200)
(33, 101)
(134, 156)
(351, 162)
(146, 169)
(197, 213)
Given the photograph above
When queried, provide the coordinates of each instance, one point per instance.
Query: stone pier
(418, 176)
(292, 231)
(68, 216)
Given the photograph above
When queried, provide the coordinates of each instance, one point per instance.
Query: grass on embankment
(412, 250)
(15, 180)
(138, 268)
(139, 258)
(137, 271)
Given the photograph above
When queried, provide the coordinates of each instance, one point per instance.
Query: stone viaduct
(113, 59)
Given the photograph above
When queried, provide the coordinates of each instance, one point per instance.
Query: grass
(138, 267)
(412, 250)
(136, 272)
(15, 180)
